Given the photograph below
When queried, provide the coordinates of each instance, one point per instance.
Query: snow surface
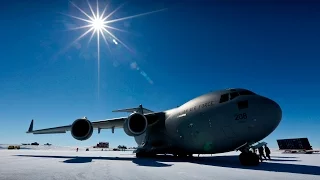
(52, 162)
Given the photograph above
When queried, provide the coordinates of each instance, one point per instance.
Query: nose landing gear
(247, 157)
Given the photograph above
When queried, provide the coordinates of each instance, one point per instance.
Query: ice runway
(68, 164)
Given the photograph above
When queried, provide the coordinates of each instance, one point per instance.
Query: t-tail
(139, 109)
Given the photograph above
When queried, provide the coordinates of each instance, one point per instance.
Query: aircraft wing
(102, 124)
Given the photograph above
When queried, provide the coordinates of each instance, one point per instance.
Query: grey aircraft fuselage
(216, 122)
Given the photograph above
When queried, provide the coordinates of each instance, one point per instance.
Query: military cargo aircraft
(216, 122)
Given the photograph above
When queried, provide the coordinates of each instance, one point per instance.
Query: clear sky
(271, 48)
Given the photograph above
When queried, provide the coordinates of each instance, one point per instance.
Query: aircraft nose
(275, 112)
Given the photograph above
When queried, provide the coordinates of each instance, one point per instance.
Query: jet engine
(135, 125)
(81, 129)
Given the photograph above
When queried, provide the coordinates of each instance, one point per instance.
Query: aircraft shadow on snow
(221, 161)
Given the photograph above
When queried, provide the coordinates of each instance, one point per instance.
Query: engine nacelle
(81, 129)
(135, 125)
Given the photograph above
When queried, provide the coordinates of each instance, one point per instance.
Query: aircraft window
(233, 95)
(242, 105)
(224, 98)
(246, 92)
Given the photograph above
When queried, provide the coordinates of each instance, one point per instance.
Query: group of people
(264, 150)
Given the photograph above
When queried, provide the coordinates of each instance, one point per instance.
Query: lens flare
(99, 24)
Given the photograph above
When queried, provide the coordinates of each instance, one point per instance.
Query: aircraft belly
(206, 132)
(220, 126)
(199, 134)
(228, 132)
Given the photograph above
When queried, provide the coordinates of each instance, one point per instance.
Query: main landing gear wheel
(249, 159)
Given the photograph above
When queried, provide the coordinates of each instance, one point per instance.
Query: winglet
(30, 127)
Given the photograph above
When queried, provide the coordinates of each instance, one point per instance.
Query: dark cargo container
(296, 143)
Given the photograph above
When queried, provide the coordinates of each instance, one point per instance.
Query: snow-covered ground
(64, 163)
(52, 147)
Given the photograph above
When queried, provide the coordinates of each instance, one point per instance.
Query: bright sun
(97, 24)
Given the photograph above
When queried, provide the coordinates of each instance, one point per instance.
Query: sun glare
(100, 25)
(97, 24)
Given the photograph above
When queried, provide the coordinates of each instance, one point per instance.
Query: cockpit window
(224, 98)
(246, 92)
(233, 95)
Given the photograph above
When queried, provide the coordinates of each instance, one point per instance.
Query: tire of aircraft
(249, 159)
(255, 159)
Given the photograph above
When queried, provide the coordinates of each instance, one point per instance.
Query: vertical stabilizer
(31, 126)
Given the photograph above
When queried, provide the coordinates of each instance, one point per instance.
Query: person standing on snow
(267, 151)
(261, 153)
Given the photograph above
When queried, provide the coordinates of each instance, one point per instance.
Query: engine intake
(81, 129)
(135, 125)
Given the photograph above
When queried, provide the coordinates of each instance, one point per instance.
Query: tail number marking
(241, 116)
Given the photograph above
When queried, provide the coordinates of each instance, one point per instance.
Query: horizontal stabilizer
(139, 109)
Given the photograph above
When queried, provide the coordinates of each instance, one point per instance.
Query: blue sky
(177, 54)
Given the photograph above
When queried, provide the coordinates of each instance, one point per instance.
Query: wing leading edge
(103, 124)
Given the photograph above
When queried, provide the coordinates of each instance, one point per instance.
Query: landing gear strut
(249, 158)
